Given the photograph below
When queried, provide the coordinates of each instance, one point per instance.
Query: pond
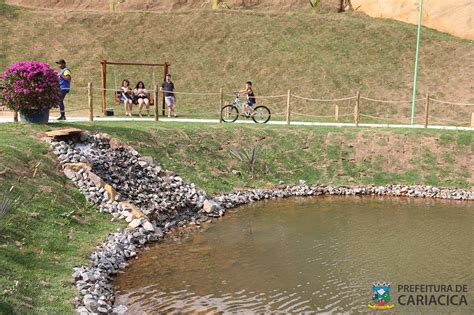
(317, 254)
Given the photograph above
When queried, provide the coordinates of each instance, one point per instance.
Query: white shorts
(169, 100)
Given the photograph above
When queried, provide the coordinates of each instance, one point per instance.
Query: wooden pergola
(104, 64)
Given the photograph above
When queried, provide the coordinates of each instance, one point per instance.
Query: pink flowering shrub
(30, 86)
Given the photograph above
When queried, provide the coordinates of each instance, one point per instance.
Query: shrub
(249, 157)
(30, 86)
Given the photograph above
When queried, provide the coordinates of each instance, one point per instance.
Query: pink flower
(30, 85)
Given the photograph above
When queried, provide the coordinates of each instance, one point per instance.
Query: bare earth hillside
(153, 5)
(454, 16)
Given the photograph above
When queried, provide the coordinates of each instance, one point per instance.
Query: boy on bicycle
(250, 96)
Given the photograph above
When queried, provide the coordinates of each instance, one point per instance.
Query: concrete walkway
(293, 123)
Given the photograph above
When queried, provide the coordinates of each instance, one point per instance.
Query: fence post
(89, 101)
(103, 74)
(288, 108)
(427, 109)
(163, 111)
(15, 116)
(221, 104)
(155, 96)
(336, 114)
(356, 110)
(472, 120)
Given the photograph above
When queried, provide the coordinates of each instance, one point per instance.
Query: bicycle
(230, 112)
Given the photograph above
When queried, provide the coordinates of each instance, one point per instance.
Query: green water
(307, 255)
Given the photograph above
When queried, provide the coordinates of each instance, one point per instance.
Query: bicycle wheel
(261, 114)
(229, 113)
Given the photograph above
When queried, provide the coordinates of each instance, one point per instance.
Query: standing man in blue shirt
(64, 84)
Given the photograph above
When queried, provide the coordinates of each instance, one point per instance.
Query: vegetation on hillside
(50, 229)
(204, 154)
(323, 55)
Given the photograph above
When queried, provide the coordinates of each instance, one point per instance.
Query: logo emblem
(381, 296)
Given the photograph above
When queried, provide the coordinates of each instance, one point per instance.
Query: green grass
(323, 55)
(201, 154)
(38, 254)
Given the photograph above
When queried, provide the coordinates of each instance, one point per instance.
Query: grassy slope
(201, 153)
(320, 55)
(37, 254)
(40, 252)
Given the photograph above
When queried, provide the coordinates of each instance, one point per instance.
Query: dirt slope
(453, 16)
(162, 5)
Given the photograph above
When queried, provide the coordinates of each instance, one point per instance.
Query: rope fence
(324, 100)
(353, 108)
(388, 101)
(262, 97)
(451, 103)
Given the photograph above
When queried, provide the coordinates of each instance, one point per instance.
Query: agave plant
(314, 3)
(7, 203)
(248, 156)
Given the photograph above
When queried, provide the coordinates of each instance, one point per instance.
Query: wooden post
(221, 104)
(427, 109)
(89, 100)
(155, 96)
(164, 78)
(356, 110)
(337, 113)
(103, 76)
(472, 120)
(15, 116)
(288, 108)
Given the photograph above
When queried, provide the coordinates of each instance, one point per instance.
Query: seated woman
(142, 97)
(126, 97)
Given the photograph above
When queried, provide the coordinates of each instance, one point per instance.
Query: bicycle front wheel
(229, 113)
(261, 114)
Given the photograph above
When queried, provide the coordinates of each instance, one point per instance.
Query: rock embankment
(133, 188)
(235, 199)
(118, 180)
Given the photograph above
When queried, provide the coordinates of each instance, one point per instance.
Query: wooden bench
(117, 101)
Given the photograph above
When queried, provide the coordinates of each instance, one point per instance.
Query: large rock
(63, 132)
(120, 310)
(149, 160)
(148, 226)
(210, 206)
(111, 191)
(76, 167)
(159, 232)
(137, 213)
(135, 223)
(69, 173)
(98, 182)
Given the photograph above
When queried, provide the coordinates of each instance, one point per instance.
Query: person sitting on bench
(142, 98)
(126, 97)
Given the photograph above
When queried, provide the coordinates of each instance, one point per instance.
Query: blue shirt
(65, 84)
